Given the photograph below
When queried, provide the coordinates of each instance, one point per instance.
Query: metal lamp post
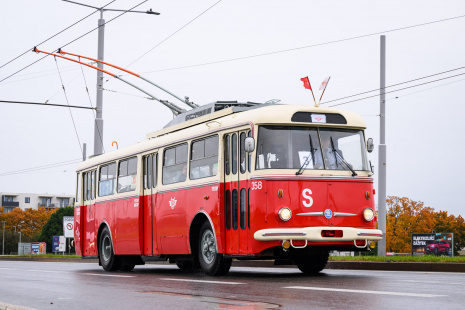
(3, 245)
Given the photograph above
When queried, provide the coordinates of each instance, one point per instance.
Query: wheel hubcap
(208, 246)
(106, 248)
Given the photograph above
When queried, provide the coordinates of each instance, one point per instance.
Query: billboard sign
(38, 248)
(55, 243)
(68, 226)
(439, 244)
(59, 244)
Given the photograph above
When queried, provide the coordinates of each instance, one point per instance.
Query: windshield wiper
(337, 155)
(307, 161)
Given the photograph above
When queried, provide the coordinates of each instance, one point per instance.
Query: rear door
(150, 164)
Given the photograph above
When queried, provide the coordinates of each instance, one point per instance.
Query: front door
(150, 164)
(236, 175)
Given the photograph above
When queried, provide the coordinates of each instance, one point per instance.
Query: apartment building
(27, 201)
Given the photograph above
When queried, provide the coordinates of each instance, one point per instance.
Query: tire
(311, 264)
(211, 262)
(185, 265)
(108, 259)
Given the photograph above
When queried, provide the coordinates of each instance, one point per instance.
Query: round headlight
(285, 214)
(368, 214)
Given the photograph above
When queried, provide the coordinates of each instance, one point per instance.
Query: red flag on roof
(325, 82)
(306, 82)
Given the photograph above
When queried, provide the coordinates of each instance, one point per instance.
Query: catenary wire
(48, 166)
(392, 91)
(173, 33)
(80, 37)
(45, 104)
(55, 35)
(307, 46)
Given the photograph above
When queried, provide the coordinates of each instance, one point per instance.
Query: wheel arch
(194, 229)
(99, 234)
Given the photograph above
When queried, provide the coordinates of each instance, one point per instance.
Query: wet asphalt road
(43, 285)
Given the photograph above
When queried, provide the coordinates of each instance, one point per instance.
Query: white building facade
(9, 201)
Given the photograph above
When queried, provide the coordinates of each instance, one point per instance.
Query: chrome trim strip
(311, 214)
(369, 234)
(188, 187)
(291, 234)
(310, 177)
(343, 214)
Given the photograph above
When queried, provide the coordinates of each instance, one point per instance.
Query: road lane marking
(202, 281)
(107, 275)
(363, 291)
(433, 282)
(13, 307)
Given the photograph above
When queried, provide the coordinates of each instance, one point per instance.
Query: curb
(383, 266)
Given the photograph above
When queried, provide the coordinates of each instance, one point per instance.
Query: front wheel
(311, 264)
(108, 259)
(211, 262)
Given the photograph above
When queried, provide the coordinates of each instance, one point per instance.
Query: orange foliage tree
(28, 222)
(405, 216)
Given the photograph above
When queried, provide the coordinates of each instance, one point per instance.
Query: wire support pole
(382, 151)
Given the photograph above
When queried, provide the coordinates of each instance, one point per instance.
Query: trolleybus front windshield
(301, 148)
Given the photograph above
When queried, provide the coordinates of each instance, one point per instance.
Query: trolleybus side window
(227, 154)
(147, 171)
(249, 134)
(243, 209)
(107, 178)
(234, 209)
(78, 187)
(85, 186)
(92, 185)
(234, 153)
(242, 157)
(127, 175)
(204, 158)
(175, 164)
(155, 169)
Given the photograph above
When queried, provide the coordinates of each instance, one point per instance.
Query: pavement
(386, 266)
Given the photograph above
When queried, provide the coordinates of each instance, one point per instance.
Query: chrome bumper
(314, 234)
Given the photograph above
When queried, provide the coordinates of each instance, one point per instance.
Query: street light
(18, 233)
(98, 127)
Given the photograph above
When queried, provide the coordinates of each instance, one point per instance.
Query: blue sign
(328, 214)
(55, 244)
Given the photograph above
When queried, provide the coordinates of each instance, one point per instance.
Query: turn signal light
(286, 244)
(372, 245)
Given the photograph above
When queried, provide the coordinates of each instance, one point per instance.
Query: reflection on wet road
(40, 285)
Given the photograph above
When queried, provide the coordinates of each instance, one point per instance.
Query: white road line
(107, 275)
(434, 282)
(202, 281)
(362, 291)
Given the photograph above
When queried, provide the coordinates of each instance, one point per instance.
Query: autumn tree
(445, 223)
(404, 217)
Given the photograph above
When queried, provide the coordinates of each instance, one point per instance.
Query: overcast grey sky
(211, 59)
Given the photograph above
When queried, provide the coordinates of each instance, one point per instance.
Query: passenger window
(175, 164)
(107, 180)
(227, 153)
(155, 169)
(204, 158)
(242, 153)
(127, 173)
(234, 153)
(147, 171)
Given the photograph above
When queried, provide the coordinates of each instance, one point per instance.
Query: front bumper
(315, 234)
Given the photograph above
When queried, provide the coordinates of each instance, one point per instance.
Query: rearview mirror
(370, 145)
(249, 144)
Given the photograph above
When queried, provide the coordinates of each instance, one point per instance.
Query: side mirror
(249, 144)
(370, 145)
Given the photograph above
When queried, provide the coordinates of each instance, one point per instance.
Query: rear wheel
(211, 262)
(312, 264)
(108, 259)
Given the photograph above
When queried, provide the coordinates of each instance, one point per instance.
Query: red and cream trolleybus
(227, 181)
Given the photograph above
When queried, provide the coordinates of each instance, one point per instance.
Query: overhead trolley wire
(174, 33)
(378, 89)
(32, 169)
(307, 46)
(392, 91)
(46, 104)
(55, 35)
(80, 37)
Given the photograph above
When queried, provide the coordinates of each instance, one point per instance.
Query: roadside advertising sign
(62, 244)
(38, 248)
(68, 226)
(55, 243)
(433, 244)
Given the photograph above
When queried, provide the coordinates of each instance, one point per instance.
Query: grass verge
(413, 259)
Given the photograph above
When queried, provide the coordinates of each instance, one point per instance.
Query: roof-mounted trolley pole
(174, 108)
(186, 101)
